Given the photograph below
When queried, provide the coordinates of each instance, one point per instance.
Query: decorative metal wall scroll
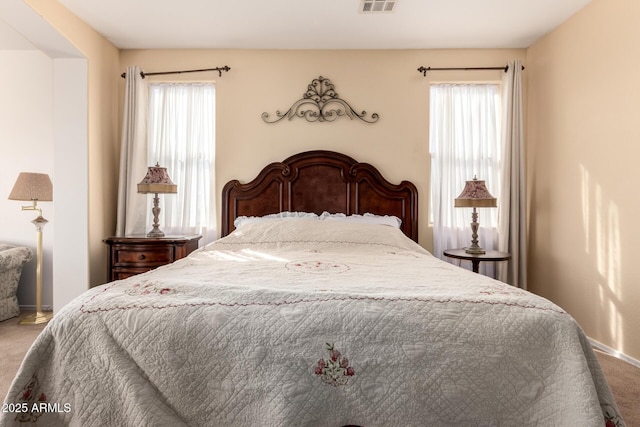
(320, 103)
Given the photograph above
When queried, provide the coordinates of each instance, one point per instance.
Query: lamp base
(36, 318)
(156, 232)
(475, 250)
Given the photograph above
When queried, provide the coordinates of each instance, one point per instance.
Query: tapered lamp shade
(475, 195)
(32, 186)
(157, 181)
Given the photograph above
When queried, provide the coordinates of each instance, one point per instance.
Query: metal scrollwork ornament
(320, 103)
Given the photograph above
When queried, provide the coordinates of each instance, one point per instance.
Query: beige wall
(378, 81)
(584, 105)
(103, 137)
(26, 80)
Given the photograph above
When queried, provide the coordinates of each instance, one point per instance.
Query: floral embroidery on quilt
(404, 254)
(30, 396)
(100, 300)
(335, 370)
(317, 267)
(501, 290)
(148, 289)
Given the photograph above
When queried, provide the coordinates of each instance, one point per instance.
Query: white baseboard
(614, 352)
(33, 308)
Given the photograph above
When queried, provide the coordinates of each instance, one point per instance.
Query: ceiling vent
(377, 6)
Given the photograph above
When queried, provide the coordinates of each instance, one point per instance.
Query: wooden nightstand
(476, 258)
(133, 255)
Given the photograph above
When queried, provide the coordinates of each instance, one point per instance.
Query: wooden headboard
(318, 181)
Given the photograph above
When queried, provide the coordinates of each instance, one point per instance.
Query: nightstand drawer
(141, 256)
(133, 255)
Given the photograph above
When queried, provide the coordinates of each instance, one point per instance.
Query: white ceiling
(322, 24)
(11, 39)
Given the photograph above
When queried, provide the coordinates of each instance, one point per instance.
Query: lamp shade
(475, 195)
(157, 181)
(32, 186)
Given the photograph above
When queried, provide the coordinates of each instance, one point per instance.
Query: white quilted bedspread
(310, 323)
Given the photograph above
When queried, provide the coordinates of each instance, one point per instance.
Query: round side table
(476, 258)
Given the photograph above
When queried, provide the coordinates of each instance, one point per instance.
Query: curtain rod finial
(424, 70)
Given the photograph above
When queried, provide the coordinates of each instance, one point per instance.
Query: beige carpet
(15, 340)
(624, 381)
(623, 378)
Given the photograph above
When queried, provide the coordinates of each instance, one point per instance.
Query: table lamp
(156, 181)
(475, 195)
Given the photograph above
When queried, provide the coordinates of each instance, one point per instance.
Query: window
(464, 140)
(181, 137)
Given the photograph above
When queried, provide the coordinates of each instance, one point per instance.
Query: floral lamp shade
(157, 181)
(475, 195)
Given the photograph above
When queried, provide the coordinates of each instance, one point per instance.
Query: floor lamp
(35, 187)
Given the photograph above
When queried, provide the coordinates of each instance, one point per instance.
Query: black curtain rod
(218, 69)
(424, 70)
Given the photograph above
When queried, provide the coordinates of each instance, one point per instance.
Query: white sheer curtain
(513, 223)
(464, 141)
(131, 216)
(182, 139)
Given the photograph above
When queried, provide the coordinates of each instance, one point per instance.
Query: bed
(316, 308)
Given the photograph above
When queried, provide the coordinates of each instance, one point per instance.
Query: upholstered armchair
(12, 258)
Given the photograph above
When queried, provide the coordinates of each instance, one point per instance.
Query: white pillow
(368, 218)
(242, 220)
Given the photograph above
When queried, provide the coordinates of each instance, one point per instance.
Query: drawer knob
(141, 257)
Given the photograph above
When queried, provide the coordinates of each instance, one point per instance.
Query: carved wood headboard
(318, 181)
